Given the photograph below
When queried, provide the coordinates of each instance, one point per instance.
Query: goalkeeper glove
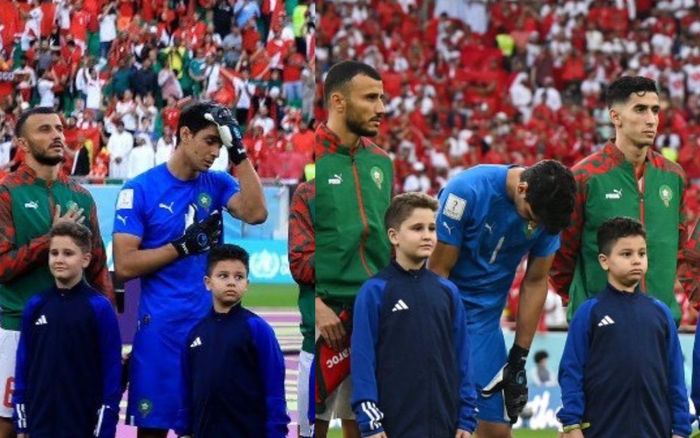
(512, 380)
(199, 236)
(230, 133)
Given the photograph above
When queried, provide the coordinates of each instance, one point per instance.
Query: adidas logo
(400, 305)
(41, 321)
(606, 321)
(196, 343)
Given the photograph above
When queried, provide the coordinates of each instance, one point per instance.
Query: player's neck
(223, 308)
(340, 128)
(512, 181)
(69, 283)
(179, 167)
(633, 153)
(43, 171)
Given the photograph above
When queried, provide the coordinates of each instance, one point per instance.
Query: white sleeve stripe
(21, 416)
(100, 415)
(374, 414)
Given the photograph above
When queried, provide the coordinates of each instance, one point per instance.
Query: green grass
(336, 433)
(271, 295)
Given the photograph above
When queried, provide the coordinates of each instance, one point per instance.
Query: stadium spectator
(610, 182)
(141, 158)
(597, 350)
(540, 375)
(353, 95)
(25, 224)
(119, 146)
(301, 252)
(69, 353)
(440, 369)
(237, 349)
(161, 248)
(528, 207)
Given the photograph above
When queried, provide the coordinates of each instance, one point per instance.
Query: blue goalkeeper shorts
(488, 355)
(155, 373)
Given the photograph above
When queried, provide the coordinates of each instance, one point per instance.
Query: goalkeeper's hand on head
(230, 133)
(512, 380)
(199, 236)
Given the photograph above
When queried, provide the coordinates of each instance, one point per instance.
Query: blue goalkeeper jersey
(157, 207)
(477, 216)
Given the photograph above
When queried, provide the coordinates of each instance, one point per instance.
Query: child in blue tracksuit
(68, 370)
(410, 355)
(621, 373)
(232, 364)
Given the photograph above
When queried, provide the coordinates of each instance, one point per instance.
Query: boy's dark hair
(615, 229)
(79, 234)
(551, 191)
(342, 73)
(28, 113)
(192, 116)
(621, 89)
(541, 355)
(403, 205)
(227, 251)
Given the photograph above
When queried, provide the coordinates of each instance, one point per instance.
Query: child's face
(228, 282)
(416, 237)
(627, 262)
(66, 259)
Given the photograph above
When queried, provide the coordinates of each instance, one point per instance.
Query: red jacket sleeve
(562, 271)
(689, 269)
(302, 242)
(15, 260)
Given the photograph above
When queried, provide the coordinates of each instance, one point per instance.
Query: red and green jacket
(607, 186)
(353, 191)
(27, 204)
(301, 250)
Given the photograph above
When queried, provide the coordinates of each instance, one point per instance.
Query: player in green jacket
(354, 180)
(625, 178)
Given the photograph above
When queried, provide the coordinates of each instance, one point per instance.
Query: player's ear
(614, 115)
(603, 260)
(87, 257)
(522, 187)
(22, 143)
(185, 133)
(207, 282)
(393, 236)
(337, 101)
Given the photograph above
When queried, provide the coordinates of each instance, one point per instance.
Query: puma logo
(31, 204)
(449, 228)
(489, 227)
(168, 207)
(122, 218)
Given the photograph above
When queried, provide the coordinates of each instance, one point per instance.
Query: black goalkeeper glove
(199, 236)
(512, 380)
(230, 133)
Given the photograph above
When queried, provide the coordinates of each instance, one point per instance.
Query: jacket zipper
(641, 188)
(363, 217)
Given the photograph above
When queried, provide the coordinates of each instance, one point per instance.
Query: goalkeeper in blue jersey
(490, 217)
(166, 220)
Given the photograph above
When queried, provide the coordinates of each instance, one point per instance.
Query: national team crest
(145, 407)
(72, 205)
(666, 194)
(204, 200)
(529, 228)
(377, 176)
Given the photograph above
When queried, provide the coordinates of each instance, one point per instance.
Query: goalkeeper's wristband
(517, 356)
(571, 428)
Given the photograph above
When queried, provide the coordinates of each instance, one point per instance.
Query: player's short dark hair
(79, 234)
(540, 355)
(227, 251)
(403, 205)
(621, 89)
(343, 72)
(27, 114)
(551, 190)
(615, 229)
(192, 116)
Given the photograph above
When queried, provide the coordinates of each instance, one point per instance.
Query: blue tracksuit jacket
(622, 369)
(233, 370)
(410, 356)
(68, 365)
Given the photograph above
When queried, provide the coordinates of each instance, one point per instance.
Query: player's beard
(357, 126)
(46, 160)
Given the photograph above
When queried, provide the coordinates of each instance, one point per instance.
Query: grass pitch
(271, 295)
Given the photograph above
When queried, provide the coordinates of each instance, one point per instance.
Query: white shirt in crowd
(45, 88)
(108, 28)
(127, 112)
(119, 146)
(244, 90)
(141, 159)
(164, 150)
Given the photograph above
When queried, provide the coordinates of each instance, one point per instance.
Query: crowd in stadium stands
(471, 82)
(121, 70)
